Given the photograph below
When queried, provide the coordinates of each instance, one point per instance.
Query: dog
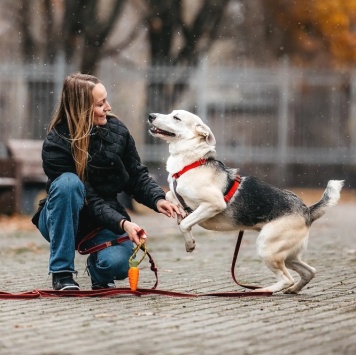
(214, 196)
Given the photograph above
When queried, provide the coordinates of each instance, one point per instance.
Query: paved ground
(321, 320)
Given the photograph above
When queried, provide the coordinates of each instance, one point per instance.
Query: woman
(89, 157)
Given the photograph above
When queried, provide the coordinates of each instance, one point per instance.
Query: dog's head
(180, 125)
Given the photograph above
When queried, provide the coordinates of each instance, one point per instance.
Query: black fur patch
(257, 201)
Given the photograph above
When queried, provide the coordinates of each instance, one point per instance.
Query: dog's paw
(291, 291)
(179, 219)
(183, 214)
(190, 246)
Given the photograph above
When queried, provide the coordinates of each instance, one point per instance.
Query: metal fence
(280, 115)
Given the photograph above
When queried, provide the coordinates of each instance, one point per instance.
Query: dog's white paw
(291, 290)
(179, 219)
(190, 246)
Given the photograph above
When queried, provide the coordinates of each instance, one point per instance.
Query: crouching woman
(89, 156)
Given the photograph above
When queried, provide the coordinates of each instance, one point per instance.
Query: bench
(10, 186)
(21, 176)
(29, 153)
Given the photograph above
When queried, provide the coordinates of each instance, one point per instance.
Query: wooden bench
(21, 176)
(10, 186)
(28, 153)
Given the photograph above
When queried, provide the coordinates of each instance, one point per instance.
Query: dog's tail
(330, 198)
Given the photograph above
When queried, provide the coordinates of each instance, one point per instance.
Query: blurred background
(274, 79)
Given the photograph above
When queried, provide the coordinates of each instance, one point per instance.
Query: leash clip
(140, 246)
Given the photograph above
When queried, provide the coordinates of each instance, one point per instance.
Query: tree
(81, 19)
(166, 22)
(318, 31)
(178, 34)
(82, 29)
(73, 27)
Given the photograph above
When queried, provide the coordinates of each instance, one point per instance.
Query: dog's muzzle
(152, 117)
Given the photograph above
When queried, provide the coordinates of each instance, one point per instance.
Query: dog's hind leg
(305, 271)
(279, 241)
(284, 279)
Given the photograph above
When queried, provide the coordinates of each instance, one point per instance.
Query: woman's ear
(205, 131)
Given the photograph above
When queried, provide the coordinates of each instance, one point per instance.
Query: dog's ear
(205, 131)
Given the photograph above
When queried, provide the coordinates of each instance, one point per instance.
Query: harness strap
(188, 167)
(180, 198)
(233, 188)
(227, 196)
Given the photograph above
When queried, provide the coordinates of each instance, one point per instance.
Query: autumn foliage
(314, 29)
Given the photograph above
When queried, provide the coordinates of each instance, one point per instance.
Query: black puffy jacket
(113, 166)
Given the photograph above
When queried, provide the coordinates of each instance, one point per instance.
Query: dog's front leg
(172, 199)
(201, 214)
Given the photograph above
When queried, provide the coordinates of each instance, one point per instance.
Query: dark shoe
(63, 281)
(98, 286)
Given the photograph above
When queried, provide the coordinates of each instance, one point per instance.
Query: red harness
(228, 195)
(188, 167)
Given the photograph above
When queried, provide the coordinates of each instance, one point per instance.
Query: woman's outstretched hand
(167, 208)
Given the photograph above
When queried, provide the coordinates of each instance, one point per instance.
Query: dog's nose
(152, 116)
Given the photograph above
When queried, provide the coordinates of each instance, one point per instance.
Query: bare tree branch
(50, 33)
(116, 49)
(206, 25)
(28, 42)
(96, 32)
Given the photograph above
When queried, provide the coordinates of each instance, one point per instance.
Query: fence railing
(279, 115)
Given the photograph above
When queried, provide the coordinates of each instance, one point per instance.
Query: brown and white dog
(218, 200)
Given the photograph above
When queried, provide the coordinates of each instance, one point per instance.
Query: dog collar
(188, 167)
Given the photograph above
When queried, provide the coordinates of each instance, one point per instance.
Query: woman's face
(101, 105)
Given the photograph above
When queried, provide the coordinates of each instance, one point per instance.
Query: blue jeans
(58, 223)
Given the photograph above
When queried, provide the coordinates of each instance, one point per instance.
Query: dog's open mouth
(155, 130)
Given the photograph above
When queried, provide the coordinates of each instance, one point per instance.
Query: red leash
(236, 252)
(140, 291)
(82, 250)
(123, 291)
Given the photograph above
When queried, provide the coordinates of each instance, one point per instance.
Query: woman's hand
(132, 230)
(167, 208)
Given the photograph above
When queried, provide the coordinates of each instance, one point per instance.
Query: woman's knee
(115, 263)
(68, 184)
(120, 269)
(68, 181)
(114, 269)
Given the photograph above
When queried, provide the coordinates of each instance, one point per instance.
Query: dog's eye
(176, 118)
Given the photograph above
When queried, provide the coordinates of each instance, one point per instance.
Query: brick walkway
(321, 320)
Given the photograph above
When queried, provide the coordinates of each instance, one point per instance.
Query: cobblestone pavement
(320, 320)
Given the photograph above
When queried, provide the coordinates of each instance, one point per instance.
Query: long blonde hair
(76, 106)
